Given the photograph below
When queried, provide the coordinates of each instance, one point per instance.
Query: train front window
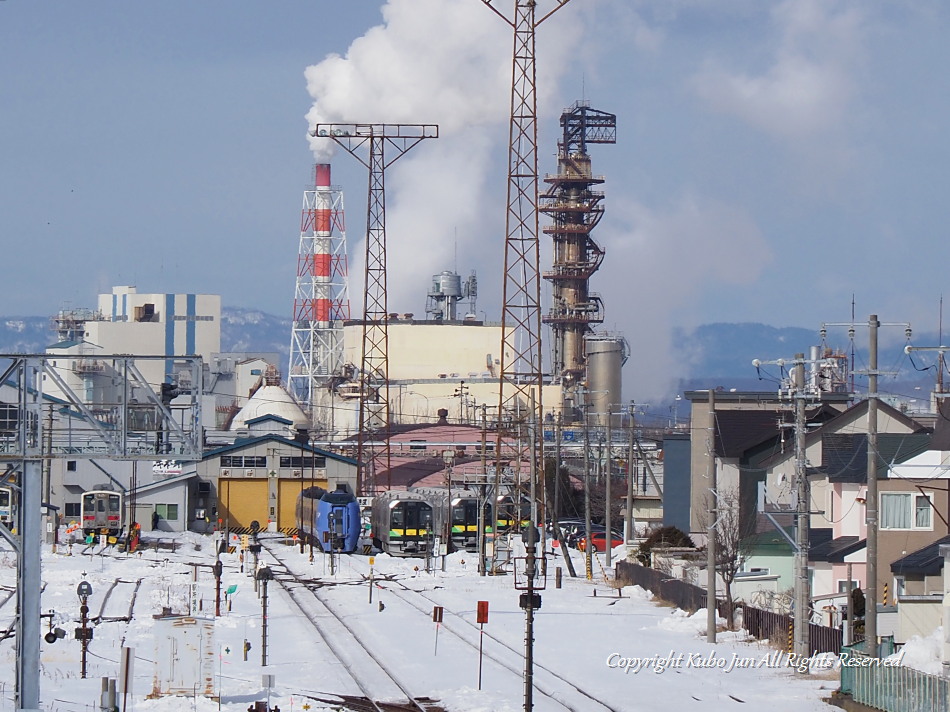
(100, 505)
(4, 498)
(113, 503)
(425, 516)
(398, 518)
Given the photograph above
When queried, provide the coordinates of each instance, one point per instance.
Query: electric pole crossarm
(488, 4)
(561, 3)
(352, 137)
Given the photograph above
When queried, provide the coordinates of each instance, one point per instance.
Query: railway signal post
(83, 632)
(264, 574)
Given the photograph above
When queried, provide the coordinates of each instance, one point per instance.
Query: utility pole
(711, 599)
(870, 610)
(483, 487)
(607, 522)
(631, 473)
(871, 505)
(588, 557)
(558, 533)
(802, 581)
(798, 393)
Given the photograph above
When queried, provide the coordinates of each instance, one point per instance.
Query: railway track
(552, 688)
(340, 638)
(548, 683)
(125, 615)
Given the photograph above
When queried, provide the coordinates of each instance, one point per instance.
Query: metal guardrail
(891, 688)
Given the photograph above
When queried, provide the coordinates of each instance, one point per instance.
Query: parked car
(599, 538)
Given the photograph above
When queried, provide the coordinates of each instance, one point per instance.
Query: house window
(843, 585)
(906, 510)
(168, 512)
(71, 509)
(70, 465)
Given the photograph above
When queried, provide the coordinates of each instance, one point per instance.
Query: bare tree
(732, 535)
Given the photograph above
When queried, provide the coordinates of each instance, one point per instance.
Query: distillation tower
(576, 210)
(321, 302)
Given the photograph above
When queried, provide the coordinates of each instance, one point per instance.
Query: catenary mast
(376, 146)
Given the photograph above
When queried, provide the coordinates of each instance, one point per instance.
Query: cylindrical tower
(443, 298)
(321, 303)
(576, 210)
(605, 358)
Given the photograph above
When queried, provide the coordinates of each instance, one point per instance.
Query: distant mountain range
(715, 353)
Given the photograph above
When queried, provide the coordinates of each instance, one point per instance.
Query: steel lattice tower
(521, 358)
(374, 414)
(321, 301)
(576, 210)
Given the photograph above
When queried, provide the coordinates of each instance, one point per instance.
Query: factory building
(439, 363)
(126, 322)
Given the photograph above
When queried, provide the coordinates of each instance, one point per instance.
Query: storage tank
(444, 296)
(606, 356)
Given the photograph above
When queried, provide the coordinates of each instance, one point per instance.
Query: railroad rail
(330, 630)
(547, 689)
(126, 617)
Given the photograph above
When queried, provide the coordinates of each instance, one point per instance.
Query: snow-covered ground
(592, 646)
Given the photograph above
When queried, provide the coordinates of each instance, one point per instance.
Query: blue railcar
(330, 520)
(339, 525)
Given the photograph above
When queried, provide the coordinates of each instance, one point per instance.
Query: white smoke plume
(660, 261)
(449, 62)
(445, 62)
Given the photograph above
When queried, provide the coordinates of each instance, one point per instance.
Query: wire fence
(761, 624)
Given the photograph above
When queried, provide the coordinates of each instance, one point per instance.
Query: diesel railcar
(456, 509)
(102, 512)
(402, 523)
(331, 520)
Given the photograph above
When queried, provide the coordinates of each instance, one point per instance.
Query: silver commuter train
(402, 523)
(461, 514)
(102, 512)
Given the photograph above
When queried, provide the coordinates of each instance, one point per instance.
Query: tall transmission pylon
(321, 300)
(374, 416)
(519, 391)
(576, 210)
(521, 358)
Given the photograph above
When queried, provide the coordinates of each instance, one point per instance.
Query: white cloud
(810, 85)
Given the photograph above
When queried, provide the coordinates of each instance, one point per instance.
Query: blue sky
(773, 158)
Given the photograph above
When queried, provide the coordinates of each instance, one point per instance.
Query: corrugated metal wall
(242, 501)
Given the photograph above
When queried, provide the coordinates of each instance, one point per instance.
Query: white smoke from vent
(659, 263)
(445, 62)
